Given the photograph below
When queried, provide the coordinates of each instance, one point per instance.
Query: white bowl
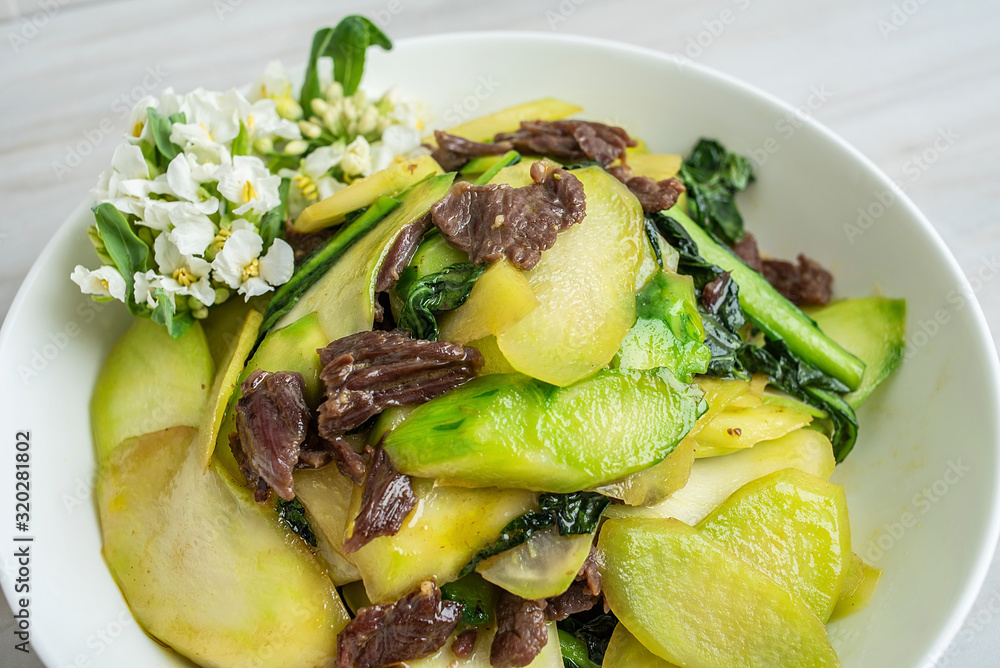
(921, 482)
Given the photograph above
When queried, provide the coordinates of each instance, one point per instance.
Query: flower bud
(263, 145)
(222, 295)
(309, 129)
(289, 109)
(334, 91)
(296, 147)
(319, 106)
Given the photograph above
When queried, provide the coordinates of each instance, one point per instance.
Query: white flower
(312, 180)
(397, 140)
(126, 183)
(239, 264)
(261, 118)
(357, 160)
(275, 84)
(184, 178)
(211, 123)
(248, 184)
(193, 231)
(103, 282)
(182, 274)
(138, 126)
(146, 285)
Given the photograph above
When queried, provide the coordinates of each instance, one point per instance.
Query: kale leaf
(293, 514)
(477, 596)
(442, 291)
(572, 514)
(593, 628)
(574, 651)
(346, 44)
(713, 176)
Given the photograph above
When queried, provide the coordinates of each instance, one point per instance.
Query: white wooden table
(896, 75)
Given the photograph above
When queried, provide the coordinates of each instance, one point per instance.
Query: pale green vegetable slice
(486, 127)
(207, 570)
(792, 527)
(150, 382)
(713, 480)
(543, 566)
(694, 603)
(549, 657)
(859, 587)
(625, 651)
(326, 496)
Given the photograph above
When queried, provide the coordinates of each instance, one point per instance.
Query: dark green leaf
(443, 291)
(346, 44)
(166, 314)
(273, 224)
(713, 176)
(160, 126)
(125, 248)
(572, 514)
(294, 515)
(594, 629)
(574, 651)
(477, 596)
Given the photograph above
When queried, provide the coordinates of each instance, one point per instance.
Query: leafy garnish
(713, 176)
(572, 514)
(166, 314)
(293, 514)
(593, 628)
(346, 44)
(442, 291)
(477, 596)
(160, 126)
(574, 651)
(129, 253)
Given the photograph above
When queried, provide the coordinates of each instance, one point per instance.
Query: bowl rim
(975, 579)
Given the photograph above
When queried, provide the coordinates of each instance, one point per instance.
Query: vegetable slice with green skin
(447, 528)
(626, 650)
(543, 566)
(713, 176)
(859, 587)
(206, 569)
(500, 299)
(316, 265)
(150, 382)
(486, 127)
(392, 181)
(793, 527)
(346, 44)
(874, 329)
(585, 284)
(773, 314)
(226, 380)
(722, 611)
(509, 430)
(713, 480)
(507, 159)
(344, 297)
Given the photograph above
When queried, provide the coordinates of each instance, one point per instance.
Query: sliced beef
(367, 372)
(806, 283)
(414, 627)
(571, 141)
(521, 631)
(652, 195)
(401, 252)
(317, 452)
(746, 249)
(465, 643)
(583, 594)
(385, 502)
(272, 421)
(453, 152)
(494, 221)
(261, 491)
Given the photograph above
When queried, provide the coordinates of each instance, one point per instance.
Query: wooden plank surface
(896, 74)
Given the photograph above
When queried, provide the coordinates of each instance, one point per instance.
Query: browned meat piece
(714, 292)
(261, 491)
(401, 252)
(746, 250)
(804, 284)
(367, 372)
(272, 420)
(807, 284)
(413, 627)
(465, 643)
(571, 141)
(521, 631)
(317, 452)
(385, 502)
(494, 221)
(583, 594)
(453, 152)
(652, 195)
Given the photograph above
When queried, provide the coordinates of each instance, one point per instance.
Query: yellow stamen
(249, 192)
(137, 129)
(185, 277)
(105, 284)
(207, 133)
(249, 121)
(251, 270)
(220, 239)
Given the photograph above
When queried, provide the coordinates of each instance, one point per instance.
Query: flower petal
(277, 266)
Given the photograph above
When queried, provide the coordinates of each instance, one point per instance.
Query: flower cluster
(206, 181)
